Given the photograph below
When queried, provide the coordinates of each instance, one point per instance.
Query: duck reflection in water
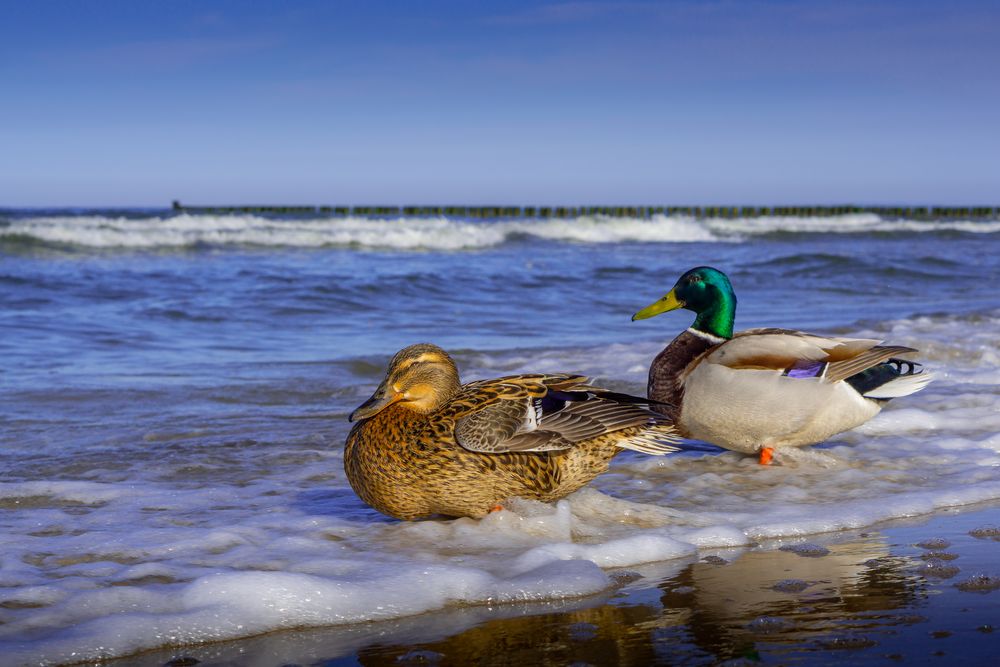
(712, 610)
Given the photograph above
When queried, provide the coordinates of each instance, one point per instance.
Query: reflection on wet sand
(787, 597)
(710, 610)
(867, 598)
(703, 611)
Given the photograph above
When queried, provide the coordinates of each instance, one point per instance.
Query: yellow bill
(667, 303)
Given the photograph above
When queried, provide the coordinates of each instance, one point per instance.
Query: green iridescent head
(708, 293)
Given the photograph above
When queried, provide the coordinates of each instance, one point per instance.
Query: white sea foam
(858, 223)
(401, 233)
(87, 493)
(437, 233)
(93, 569)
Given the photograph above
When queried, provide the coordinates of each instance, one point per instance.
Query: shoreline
(908, 590)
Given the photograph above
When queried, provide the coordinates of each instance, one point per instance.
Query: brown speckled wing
(589, 419)
(513, 414)
(490, 427)
(495, 416)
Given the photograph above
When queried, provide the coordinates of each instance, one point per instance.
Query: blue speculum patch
(806, 369)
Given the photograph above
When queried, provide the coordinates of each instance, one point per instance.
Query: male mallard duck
(766, 388)
(425, 444)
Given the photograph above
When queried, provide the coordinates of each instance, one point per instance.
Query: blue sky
(120, 103)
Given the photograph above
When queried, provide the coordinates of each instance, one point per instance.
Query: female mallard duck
(766, 388)
(424, 444)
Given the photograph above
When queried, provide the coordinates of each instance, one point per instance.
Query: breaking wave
(437, 233)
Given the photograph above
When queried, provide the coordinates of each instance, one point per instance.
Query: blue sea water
(174, 392)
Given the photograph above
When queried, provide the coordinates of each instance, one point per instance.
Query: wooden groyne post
(571, 212)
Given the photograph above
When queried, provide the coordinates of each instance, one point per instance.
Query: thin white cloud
(570, 12)
(163, 54)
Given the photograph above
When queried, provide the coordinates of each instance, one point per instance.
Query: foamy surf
(103, 569)
(860, 223)
(397, 234)
(436, 233)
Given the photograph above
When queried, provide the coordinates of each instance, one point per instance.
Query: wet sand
(921, 591)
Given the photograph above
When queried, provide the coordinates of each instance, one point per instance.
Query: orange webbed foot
(766, 455)
(496, 508)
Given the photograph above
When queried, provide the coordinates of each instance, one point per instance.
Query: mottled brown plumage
(425, 445)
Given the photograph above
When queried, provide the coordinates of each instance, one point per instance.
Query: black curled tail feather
(619, 397)
(883, 373)
(556, 399)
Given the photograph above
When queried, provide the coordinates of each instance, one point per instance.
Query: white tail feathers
(904, 385)
(656, 440)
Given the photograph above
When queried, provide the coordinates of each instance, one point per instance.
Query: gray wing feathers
(537, 441)
(585, 420)
(841, 370)
(490, 429)
(511, 426)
